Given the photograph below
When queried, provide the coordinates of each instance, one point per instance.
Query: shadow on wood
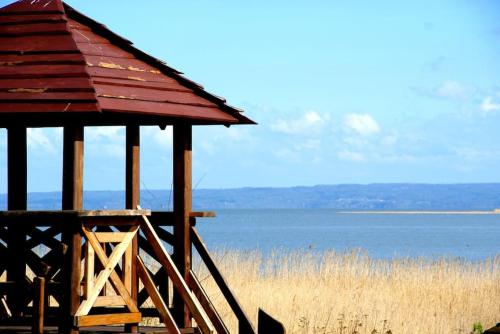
(269, 325)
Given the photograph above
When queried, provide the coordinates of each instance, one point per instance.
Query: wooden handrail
(245, 326)
(167, 263)
(202, 296)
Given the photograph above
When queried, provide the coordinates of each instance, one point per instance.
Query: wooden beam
(180, 285)
(72, 199)
(38, 305)
(132, 200)
(158, 302)
(195, 285)
(107, 319)
(182, 186)
(17, 188)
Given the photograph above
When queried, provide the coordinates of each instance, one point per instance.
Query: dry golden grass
(351, 293)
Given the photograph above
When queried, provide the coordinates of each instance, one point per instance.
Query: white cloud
(107, 140)
(488, 105)
(310, 122)
(351, 156)
(362, 124)
(38, 139)
(453, 89)
(449, 89)
(161, 137)
(108, 133)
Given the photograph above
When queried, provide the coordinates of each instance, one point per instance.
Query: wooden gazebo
(59, 68)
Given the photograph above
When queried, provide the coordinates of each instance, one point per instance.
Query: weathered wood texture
(72, 199)
(182, 189)
(49, 53)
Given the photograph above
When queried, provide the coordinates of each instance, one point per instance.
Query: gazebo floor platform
(95, 330)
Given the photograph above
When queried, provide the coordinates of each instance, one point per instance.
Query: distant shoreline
(393, 212)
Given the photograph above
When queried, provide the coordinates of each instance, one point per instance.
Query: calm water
(383, 236)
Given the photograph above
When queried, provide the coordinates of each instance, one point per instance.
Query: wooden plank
(89, 270)
(120, 63)
(107, 319)
(177, 279)
(155, 95)
(203, 214)
(128, 74)
(159, 303)
(51, 107)
(50, 84)
(43, 58)
(47, 43)
(108, 301)
(87, 36)
(38, 305)
(33, 29)
(165, 109)
(110, 236)
(65, 214)
(16, 200)
(127, 267)
(43, 71)
(109, 265)
(103, 50)
(28, 19)
(28, 94)
(202, 296)
(182, 190)
(140, 84)
(244, 323)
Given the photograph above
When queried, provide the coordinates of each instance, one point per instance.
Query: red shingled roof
(57, 64)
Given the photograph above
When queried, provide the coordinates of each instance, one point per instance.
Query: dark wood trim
(182, 186)
(72, 199)
(17, 198)
(132, 200)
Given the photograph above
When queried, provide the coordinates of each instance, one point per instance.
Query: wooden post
(17, 200)
(72, 199)
(132, 200)
(182, 207)
(38, 305)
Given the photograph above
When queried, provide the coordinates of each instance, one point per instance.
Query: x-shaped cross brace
(108, 272)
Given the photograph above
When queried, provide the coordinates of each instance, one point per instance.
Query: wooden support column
(132, 200)
(72, 199)
(17, 200)
(182, 207)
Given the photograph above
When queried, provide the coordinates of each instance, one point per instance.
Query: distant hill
(484, 196)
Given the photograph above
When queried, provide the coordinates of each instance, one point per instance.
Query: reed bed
(350, 293)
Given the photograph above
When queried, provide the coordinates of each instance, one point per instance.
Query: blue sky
(344, 92)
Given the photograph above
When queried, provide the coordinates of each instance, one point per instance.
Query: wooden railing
(107, 259)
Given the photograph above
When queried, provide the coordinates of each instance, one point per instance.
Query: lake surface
(473, 237)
